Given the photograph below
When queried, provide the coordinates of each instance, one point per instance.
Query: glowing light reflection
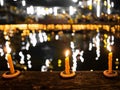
(90, 46)
(96, 43)
(2, 2)
(98, 8)
(56, 37)
(1, 52)
(27, 46)
(22, 57)
(28, 56)
(29, 64)
(30, 10)
(109, 7)
(74, 1)
(33, 40)
(23, 3)
(40, 37)
(45, 36)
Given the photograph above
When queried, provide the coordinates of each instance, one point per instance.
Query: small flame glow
(67, 53)
(8, 49)
(109, 48)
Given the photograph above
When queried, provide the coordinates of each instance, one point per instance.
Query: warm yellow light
(109, 48)
(105, 3)
(67, 53)
(90, 7)
(117, 59)
(105, 35)
(48, 38)
(116, 67)
(8, 49)
(59, 62)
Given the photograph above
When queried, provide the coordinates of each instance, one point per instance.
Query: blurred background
(59, 11)
(38, 32)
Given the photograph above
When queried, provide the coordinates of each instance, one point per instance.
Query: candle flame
(109, 48)
(8, 49)
(67, 53)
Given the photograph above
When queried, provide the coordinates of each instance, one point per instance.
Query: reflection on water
(44, 50)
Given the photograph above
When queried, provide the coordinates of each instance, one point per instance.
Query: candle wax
(67, 67)
(110, 62)
(9, 58)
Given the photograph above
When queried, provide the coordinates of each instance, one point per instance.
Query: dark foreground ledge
(36, 80)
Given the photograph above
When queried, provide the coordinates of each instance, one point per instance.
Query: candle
(109, 59)
(110, 62)
(9, 58)
(67, 67)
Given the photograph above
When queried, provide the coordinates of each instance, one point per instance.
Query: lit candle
(110, 61)
(9, 58)
(67, 67)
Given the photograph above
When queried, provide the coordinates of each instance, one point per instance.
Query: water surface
(45, 50)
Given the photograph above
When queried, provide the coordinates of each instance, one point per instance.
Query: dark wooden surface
(36, 80)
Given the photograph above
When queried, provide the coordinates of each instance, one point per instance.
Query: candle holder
(110, 75)
(12, 73)
(8, 74)
(69, 75)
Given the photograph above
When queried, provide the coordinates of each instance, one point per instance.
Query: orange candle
(9, 58)
(110, 62)
(67, 66)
